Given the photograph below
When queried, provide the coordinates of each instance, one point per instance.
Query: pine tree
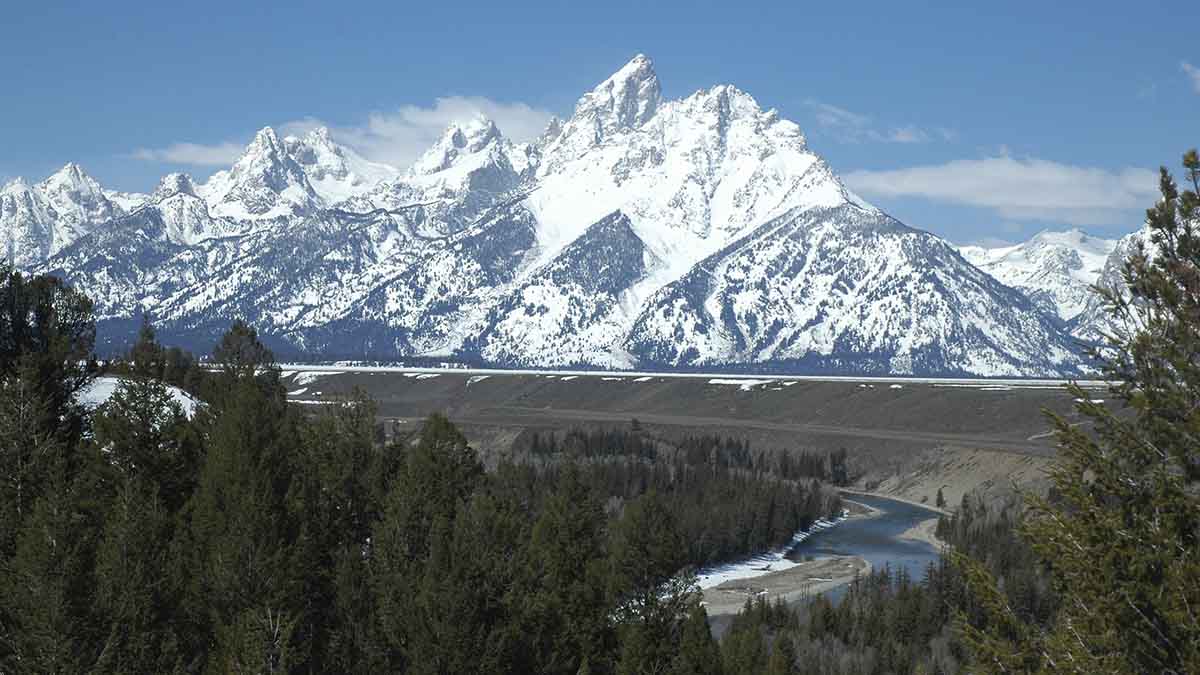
(1121, 539)
(135, 596)
(563, 598)
(698, 652)
(241, 530)
(654, 594)
(143, 430)
(46, 337)
(337, 503)
(783, 657)
(438, 477)
(146, 358)
(46, 587)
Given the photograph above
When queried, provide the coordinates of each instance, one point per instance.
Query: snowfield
(103, 388)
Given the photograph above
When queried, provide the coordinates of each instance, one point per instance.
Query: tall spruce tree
(338, 502)
(241, 526)
(437, 479)
(1122, 540)
(564, 599)
(654, 593)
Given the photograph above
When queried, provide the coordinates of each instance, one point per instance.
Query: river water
(876, 538)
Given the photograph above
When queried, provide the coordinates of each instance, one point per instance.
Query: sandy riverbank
(806, 579)
(924, 531)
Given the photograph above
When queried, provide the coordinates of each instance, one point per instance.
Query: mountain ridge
(593, 245)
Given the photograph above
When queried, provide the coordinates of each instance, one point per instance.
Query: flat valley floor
(905, 438)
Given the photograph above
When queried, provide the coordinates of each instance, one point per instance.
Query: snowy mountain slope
(336, 173)
(128, 201)
(1055, 269)
(265, 182)
(40, 220)
(847, 289)
(690, 175)
(469, 170)
(1093, 321)
(288, 177)
(639, 231)
(575, 309)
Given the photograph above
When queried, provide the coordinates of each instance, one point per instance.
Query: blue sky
(977, 123)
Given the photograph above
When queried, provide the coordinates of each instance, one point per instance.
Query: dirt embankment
(958, 471)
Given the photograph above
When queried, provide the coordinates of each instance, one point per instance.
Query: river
(877, 538)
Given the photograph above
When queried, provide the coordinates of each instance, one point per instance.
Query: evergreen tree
(241, 528)
(698, 651)
(564, 601)
(46, 586)
(654, 596)
(1121, 540)
(438, 477)
(783, 657)
(143, 430)
(146, 357)
(337, 501)
(136, 598)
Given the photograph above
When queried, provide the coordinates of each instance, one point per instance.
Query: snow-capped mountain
(1055, 269)
(832, 289)
(639, 231)
(1093, 322)
(39, 220)
(470, 169)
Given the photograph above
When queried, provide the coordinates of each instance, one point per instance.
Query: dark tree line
(727, 499)
(257, 537)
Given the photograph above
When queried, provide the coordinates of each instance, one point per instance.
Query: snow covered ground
(103, 388)
(714, 378)
(765, 563)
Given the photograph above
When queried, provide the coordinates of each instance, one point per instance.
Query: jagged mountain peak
(40, 220)
(460, 139)
(173, 184)
(553, 130)
(72, 179)
(18, 184)
(265, 182)
(265, 141)
(626, 99)
(640, 231)
(336, 172)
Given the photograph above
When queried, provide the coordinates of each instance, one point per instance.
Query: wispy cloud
(399, 137)
(851, 127)
(395, 138)
(1193, 74)
(1021, 188)
(193, 154)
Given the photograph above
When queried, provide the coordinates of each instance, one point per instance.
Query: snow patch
(102, 389)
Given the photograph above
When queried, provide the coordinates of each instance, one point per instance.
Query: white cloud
(851, 127)
(1021, 188)
(395, 138)
(400, 137)
(194, 154)
(907, 135)
(1193, 74)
